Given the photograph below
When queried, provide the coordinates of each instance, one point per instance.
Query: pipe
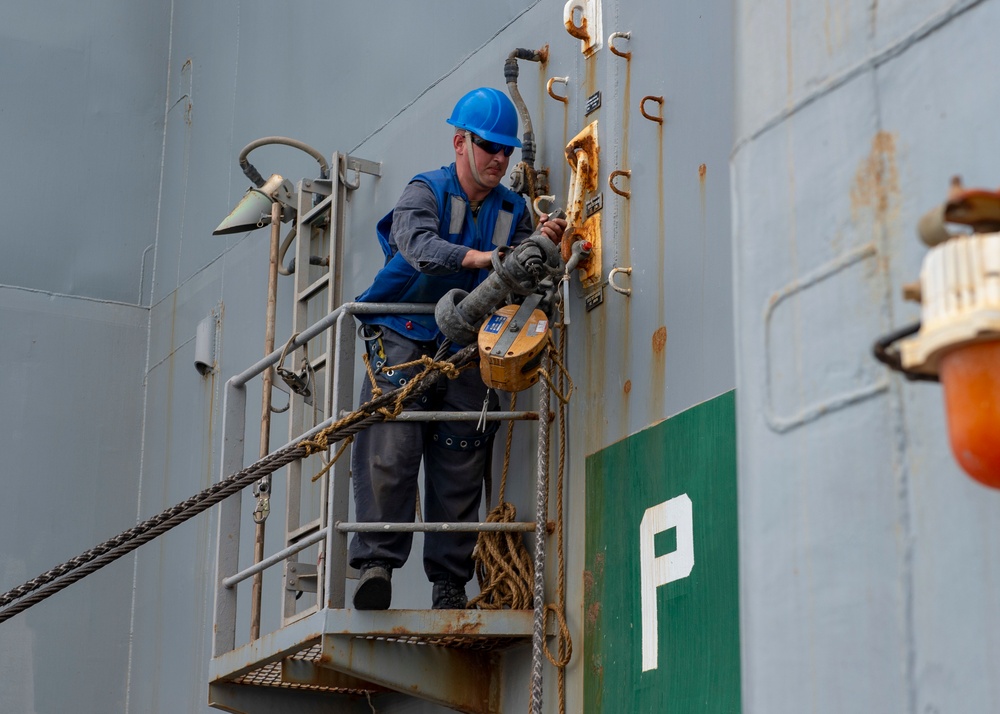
(251, 172)
(282, 270)
(262, 565)
(510, 72)
(264, 485)
(423, 527)
(290, 268)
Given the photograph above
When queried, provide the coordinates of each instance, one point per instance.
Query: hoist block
(511, 344)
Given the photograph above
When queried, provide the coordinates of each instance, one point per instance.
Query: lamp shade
(252, 212)
(970, 376)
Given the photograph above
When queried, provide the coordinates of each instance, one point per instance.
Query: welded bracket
(300, 577)
(359, 166)
(588, 28)
(584, 204)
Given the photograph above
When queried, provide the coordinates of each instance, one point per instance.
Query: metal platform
(452, 657)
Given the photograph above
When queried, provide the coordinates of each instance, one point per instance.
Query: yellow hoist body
(511, 345)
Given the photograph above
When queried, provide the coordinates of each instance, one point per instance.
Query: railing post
(338, 485)
(228, 552)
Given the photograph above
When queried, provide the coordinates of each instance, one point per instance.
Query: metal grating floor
(269, 675)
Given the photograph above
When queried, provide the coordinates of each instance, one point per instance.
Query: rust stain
(625, 228)
(659, 340)
(657, 374)
(593, 613)
(835, 24)
(876, 183)
(588, 582)
(599, 564)
(628, 386)
(463, 628)
(597, 328)
(578, 31)
(597, 667)
(702, 171)
(875, 208)
(591, 74)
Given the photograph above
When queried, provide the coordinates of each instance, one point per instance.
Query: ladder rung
(317, 210)
(302, 531)
(316, 287)
(318, 363)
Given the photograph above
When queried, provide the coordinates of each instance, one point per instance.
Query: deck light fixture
(957, 341)
(254, 209)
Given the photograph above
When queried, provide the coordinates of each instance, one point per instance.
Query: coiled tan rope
(503, 566)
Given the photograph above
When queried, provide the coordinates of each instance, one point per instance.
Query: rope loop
(331, 462)
(562, 372)
(565, 647)
(376, 390)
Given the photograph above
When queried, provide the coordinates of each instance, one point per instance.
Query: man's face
(492, 167)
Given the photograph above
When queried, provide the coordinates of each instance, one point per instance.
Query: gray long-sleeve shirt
(416, 232)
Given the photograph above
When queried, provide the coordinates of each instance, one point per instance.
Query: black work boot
(374, 591)
(449, 595)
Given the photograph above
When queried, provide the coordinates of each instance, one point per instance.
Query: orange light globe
(970, 376)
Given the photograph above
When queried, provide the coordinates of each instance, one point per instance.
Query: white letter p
(657, 571)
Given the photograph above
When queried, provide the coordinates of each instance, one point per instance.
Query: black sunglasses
(491, 147)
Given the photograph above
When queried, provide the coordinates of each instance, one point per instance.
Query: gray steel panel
(935, 111)
(851, 521)
(81, 120)
(70, 434)
(820, 560)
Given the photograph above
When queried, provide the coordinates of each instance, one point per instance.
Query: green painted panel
(662, 548)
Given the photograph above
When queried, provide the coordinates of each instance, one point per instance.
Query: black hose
(510, 73)
(891, 358)
(251, 172)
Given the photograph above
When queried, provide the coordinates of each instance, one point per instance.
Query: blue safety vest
(398, 281)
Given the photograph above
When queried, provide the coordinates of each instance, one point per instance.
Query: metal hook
(627, 173)
(536, 205)
(357, 179)
(611, 280)
(560, 80)
(611, 44)
(642, 108)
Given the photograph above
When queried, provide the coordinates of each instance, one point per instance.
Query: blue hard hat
(487, 113)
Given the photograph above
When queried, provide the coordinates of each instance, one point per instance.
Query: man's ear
(458, 141)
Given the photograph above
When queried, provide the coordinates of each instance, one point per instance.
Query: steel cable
(541, 513)
(374, 411)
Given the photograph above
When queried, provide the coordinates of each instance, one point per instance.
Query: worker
(440, 235)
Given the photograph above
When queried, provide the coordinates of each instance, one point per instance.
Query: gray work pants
(385, 462)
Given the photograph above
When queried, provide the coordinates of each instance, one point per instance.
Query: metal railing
(331, 582)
